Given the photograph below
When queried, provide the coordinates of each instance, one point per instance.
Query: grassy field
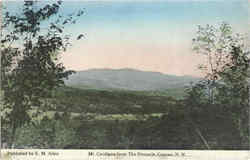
(100, 117)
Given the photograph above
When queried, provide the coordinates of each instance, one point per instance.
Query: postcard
(125, 79)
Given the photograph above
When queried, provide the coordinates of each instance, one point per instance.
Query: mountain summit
(127, 79)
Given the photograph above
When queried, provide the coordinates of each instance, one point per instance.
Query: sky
(146, 35)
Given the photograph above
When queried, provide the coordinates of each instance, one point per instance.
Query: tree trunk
(202, 138)
(197, 130)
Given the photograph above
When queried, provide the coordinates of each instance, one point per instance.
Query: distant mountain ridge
(127, 79)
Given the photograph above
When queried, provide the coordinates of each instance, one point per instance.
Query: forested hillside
(128, 79)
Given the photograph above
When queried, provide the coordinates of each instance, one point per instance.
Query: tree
(234, 91)
(215, 44)
(226, 73)
(30, 43)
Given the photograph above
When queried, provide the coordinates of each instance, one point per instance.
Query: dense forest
(39, 111)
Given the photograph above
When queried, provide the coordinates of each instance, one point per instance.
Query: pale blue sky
(146, 34)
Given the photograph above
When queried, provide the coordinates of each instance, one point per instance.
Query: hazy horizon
(145, 35)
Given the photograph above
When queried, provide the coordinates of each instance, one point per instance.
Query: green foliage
(227, 64)
(215, 44)
(226, 81)
(30, 42)
(47, 134)
(235, 76)
(110, 102)
(178, 127)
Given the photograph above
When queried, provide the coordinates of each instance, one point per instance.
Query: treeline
(110, 102)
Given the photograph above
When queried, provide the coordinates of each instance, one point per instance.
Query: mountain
(127, 79)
